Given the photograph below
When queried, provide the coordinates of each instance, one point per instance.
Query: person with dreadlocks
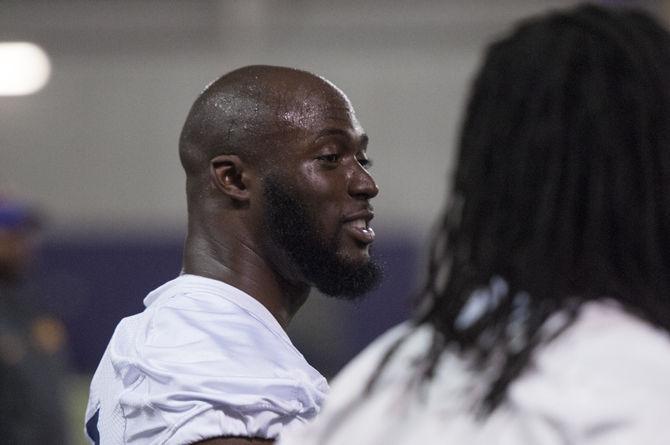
(545, 316)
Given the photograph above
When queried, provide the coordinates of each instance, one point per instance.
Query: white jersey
(604, 381)
(203, 360)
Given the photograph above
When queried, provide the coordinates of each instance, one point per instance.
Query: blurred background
(91, 110)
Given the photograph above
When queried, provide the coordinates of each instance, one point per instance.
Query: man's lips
(358, 224)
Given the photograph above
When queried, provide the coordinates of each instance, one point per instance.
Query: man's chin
(350, 280)
(359, 261)
(354, 253)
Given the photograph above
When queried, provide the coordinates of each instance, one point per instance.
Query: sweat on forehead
(242, 110)
(277, 93)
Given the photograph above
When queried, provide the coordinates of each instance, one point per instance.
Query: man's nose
(362, 184)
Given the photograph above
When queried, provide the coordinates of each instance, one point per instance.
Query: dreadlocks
(561, 190)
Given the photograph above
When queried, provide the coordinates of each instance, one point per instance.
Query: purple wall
(93, 283)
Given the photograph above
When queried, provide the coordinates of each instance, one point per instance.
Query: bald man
(278, 198)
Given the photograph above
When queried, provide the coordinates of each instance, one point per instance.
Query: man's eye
(329, 158)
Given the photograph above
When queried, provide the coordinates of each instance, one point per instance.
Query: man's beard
(294, 230)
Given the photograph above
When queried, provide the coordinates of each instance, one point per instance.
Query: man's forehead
(304, 103)
(305, 109)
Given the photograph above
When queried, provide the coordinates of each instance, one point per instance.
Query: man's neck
(240, 265)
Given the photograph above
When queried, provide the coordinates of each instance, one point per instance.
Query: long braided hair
(561, 193)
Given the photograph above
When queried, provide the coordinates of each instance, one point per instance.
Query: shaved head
(246, 111)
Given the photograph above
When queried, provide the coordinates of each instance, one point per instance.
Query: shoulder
(205, 322)
(205, 361)
(607, 370)
(607, 341)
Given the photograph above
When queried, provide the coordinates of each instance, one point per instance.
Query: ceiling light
(24, 68)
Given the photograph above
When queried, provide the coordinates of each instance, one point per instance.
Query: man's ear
(228, 173)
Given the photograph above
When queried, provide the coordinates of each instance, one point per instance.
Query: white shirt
(604, 381)
(203, 360)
